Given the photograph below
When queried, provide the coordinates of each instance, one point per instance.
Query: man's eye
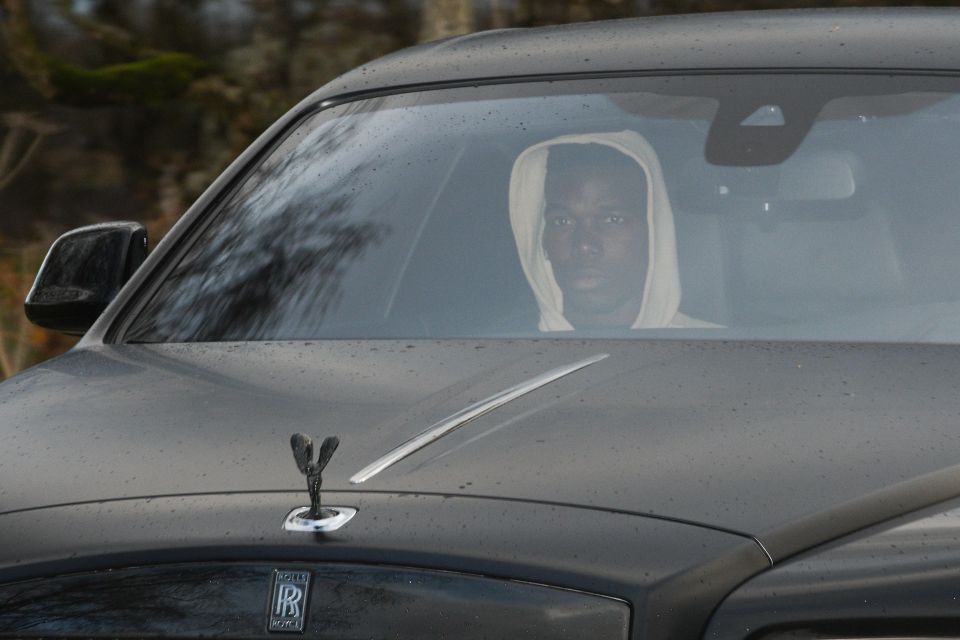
(614, 218)
(559, 221)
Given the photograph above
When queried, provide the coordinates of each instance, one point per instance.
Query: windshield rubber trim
(416, 87)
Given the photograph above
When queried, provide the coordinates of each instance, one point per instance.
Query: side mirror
(83, 271)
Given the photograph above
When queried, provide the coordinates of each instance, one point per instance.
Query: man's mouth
(586, 279)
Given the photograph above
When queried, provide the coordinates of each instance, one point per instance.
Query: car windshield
(727, 206)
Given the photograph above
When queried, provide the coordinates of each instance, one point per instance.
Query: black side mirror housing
(82, 273)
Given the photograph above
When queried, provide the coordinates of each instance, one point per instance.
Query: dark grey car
(644, 329)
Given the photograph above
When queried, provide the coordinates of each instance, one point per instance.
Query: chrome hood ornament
(315, 518)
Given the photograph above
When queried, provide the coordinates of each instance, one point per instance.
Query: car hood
(741, 436)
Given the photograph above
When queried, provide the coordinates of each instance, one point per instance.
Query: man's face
(595, 236)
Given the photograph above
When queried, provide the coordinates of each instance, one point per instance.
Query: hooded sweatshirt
(661, 289)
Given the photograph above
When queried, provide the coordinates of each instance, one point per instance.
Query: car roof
(906, 38)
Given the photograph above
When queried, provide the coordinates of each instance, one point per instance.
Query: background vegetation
(128, 109)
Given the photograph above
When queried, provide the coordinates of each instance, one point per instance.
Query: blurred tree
(24, 133)
(445, 18)
(22, 343)
(120, 109)
(14, 327)
(155, 77)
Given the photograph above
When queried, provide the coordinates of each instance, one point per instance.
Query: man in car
(594, 231)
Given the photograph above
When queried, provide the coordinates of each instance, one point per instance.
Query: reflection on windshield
(591, 210)
(280, 259)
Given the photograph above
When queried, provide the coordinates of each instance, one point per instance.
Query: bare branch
(22, 48)
(23, 335)
(20, 126)
(6, 366)
(445, 18)
(106, 34)
(9, 170)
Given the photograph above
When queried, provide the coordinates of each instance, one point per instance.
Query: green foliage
(145, 82)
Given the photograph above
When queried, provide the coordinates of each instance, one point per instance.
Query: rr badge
(288, 606)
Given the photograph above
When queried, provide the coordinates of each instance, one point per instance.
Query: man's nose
(585, 239)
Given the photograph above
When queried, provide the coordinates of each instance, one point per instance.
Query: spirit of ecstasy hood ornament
(315, 518)
(302, 447)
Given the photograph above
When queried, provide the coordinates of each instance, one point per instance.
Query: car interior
(841, 240)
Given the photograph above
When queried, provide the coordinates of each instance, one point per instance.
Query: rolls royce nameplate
(288, 602)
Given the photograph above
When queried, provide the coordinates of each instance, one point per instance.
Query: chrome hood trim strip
(462, 417)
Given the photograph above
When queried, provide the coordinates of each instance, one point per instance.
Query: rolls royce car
(645, 329)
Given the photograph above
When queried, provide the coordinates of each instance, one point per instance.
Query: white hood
(661, 290)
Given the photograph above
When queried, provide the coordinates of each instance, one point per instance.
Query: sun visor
(825, 175)
(810, 182)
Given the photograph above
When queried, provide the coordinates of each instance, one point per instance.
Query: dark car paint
(350, 600)
(795, 444)
(900, 579)
(672, 574)
(890, 404)
(876, 38)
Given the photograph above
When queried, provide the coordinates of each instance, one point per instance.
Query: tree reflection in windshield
(282, 251)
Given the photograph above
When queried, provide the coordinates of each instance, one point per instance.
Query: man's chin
(594, 301)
